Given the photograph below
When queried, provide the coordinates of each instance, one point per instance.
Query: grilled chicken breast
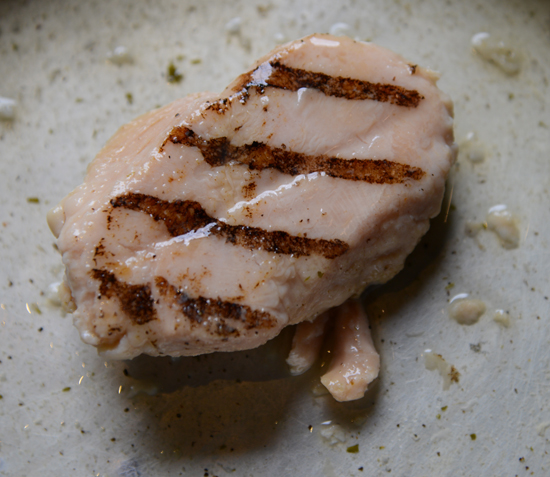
(212, 223)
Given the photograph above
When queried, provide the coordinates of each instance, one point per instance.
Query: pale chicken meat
(214, 222)
(355, 362)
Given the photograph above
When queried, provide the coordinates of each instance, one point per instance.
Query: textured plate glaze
(64, 411)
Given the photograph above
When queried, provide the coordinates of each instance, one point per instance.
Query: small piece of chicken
(306, 344)
(212, 223)
(355, 362)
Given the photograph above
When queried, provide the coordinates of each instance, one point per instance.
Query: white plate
(63, 408)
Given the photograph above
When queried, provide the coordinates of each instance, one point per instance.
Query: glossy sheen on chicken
(212, 223)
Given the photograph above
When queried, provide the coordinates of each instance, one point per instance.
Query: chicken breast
(212, 223)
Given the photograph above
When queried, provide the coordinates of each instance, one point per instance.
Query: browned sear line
(179, 217)
(293, 79)
(258, 156)
(136, 300)
(229, 316)
(183, 216)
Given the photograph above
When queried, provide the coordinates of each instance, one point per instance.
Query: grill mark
(136, 300)
(258, 156)
(228, 315)
(184, 216)
(292, 79)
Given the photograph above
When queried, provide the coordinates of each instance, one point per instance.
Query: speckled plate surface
(64, 411)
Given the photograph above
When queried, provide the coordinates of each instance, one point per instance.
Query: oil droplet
(466, 311)
(52, 295)
(332, 434)
(7, 109)
(120, 56)
(472, 148)
(135, 387)
(318, 389)
(233, 26)
(473, 228)
(341, 29)
(541, 428)
(502, 318)
(496, 51)
(279, 38)
(503, 223)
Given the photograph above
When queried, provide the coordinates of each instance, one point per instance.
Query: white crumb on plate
(505, 225)
(436, 362)
(466, 311)
(7, 108)
(120, 56)
(498, 52)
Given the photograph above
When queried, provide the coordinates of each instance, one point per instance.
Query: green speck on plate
(172, 74)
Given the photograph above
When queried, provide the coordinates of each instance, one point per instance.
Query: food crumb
(33, 200)
(436, 362)
(172, 74)
(134, 387)
(120, 56)
(233, 26)
(279, 38)
(7, 109)
(496, 51)
(472, 149)
(541, 428)
(332, 434)
(503, 223)
(502, 318)
(476, 348)
(473, 228)
(466, 311)
(353, 449)
(341, 29)
(52, 295)
(473, 437)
